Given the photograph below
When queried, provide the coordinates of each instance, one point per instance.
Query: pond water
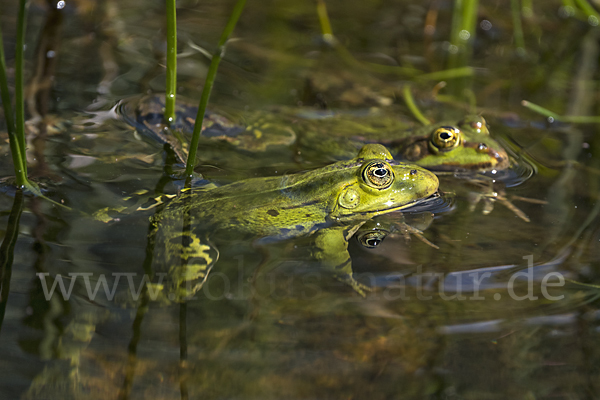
(502, 304)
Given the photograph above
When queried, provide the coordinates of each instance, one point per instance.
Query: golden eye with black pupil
(372, 239)
(446, 137)
(482, 148)
(378, 175)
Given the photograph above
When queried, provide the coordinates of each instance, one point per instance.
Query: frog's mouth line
(371, 214)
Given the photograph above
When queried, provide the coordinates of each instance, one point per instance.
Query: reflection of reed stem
(142, 309)
(171, 83)
(208, 84)
(183, 354)
(7, 251)
(132, 348)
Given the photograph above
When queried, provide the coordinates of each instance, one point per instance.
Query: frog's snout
(501, 157)
(428, 182)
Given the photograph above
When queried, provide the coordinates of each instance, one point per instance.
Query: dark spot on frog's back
(273, 213)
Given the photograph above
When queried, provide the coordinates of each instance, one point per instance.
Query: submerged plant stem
(210, 80)
(171, 83)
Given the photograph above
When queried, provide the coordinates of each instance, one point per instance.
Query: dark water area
(499, 300)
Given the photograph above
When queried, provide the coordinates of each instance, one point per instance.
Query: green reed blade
(410, 103)
(171, 83)
(210, 80)
(18, 156)
(19, 98)
(576, 119)
(446, 74)
(8, 116)
(464, 20)
(462, 37)
(348, 58)
(324, 18)
(517, 26)
(592, 14)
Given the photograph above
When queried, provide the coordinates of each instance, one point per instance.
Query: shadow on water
(468, 300)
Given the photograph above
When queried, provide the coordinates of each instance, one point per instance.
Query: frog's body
(447, 146)
(318, 137)
(330, 202)
(255, 133)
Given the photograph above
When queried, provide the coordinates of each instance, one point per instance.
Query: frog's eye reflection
(378, 174)
(372, 239)
(446, 137)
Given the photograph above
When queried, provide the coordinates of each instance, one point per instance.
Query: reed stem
(171, 83)
(517, 26)
(576, 119)
(19, 85)
(410, 103)
(210, 80)
(18, 155)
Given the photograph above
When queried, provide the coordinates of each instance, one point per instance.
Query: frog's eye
(478, 124)
(446, 137)
(378, 175)
(372, 239)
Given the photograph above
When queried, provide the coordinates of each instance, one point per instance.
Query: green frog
(465, 145)
(319, 137)
(251, 133)
(458, 149)
(329, 203)
(297, 138)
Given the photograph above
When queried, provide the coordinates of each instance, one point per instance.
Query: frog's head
(381, 185)
(464, 146)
